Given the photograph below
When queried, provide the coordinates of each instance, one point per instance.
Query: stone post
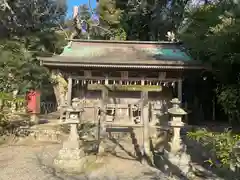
(70, 157)
(176, 153)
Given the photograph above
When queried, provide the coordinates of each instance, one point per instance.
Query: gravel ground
(35, 163)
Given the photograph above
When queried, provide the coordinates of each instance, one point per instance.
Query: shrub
(221, 145)
(6, 101)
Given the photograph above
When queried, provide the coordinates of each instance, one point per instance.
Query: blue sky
(71, 3)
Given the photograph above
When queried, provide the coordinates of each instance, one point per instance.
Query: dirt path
(35, 163)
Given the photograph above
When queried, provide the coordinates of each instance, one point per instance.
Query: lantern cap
(176, 109)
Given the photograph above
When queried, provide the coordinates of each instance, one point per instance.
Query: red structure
(33, 102)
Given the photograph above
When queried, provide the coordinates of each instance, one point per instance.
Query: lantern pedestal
(71, 157)
(70, 160)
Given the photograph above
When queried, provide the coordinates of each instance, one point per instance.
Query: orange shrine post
(33, 104)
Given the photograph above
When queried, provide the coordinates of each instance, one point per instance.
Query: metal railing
(48, 107)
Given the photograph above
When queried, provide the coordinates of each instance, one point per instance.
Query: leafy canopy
(28, 30)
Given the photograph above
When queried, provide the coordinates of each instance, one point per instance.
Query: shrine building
(120, 77)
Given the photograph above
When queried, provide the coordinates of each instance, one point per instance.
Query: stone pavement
(35, 163)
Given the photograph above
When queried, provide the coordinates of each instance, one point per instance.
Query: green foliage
(221, 145)
(29, 30)
(151, 19)
(18, 69)
(212, 36)
(84, 12)
(25, 18)
(135, 20)
(6, 100)
(110, 20)
(229, 98)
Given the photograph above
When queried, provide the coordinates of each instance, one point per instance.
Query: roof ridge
(123, 42)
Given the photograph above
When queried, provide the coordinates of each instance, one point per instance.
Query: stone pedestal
(176, 153)
(180, 160)
(70, 160)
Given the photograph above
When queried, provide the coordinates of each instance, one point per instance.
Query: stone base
(181, 160)
(70, 160)
(34, 118)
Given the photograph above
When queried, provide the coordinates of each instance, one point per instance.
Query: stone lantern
(70, 157)
(176, 154)
(176, 114)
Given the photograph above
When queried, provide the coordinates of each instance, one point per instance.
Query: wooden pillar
(69, 93)
(106, 80)
(145, 120)
(180, 90)
(103, 103)
(142, 81)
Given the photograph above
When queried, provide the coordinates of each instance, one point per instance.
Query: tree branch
(66, 35)
(90, 7)
(6, 5)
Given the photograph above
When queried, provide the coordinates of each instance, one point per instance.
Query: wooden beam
(129, 78)
(116, 87)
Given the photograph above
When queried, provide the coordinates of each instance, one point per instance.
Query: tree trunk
(59, 87)
(13, 103)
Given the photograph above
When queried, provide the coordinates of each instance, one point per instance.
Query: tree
(110, 19)
(84, 12)
(151, 19)
(29, 29)
(213, 36)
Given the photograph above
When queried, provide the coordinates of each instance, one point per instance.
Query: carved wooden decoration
(162, 75)
(87, 74)
(124, 74)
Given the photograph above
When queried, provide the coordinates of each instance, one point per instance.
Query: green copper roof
(131, 51)
(83, 51)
